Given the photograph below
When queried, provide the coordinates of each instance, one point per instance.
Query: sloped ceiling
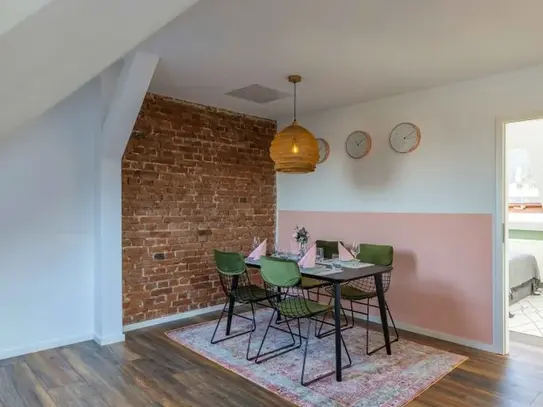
(64, 43)
(347, 50)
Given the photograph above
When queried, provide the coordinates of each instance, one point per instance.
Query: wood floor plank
(19, 386)
(149, 370)
(8, 390)
(107, 378)
(77, 395)
(52, 369)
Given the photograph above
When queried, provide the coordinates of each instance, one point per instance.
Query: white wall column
(132, 85)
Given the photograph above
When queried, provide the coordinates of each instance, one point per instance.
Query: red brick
(192, 169)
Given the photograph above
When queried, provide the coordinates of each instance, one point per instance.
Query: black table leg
(383, 310)
(337, 320)
(231, 303)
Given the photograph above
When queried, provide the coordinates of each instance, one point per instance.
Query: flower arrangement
(301, 235)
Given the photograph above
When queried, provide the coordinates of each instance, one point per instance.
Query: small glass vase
(303, 249)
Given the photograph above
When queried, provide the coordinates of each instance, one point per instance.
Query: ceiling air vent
(258, 94)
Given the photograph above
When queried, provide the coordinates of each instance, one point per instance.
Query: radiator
(533, 247)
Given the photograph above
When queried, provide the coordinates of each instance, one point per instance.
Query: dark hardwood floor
(149, 370)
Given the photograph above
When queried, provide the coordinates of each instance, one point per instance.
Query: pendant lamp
(294, 149)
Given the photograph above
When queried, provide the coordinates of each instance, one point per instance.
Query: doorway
(522, 212)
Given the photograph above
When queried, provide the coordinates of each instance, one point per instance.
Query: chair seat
(308, 283)
(250, 293)
(300, 308)
(351, 293)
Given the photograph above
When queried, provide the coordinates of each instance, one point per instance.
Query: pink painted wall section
(442, 278)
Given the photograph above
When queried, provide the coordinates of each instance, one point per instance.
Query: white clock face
(324, 150)
(405, 138)
(358, 144)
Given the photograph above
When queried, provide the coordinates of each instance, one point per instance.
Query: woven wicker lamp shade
(294, 149)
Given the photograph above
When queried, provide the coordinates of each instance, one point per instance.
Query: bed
(524, 276)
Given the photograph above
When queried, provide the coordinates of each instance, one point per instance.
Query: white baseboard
(36, 347)
(109, 339)
(437, 335)
(171, 318)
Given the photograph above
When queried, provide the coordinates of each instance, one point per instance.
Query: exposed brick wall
(194, 178)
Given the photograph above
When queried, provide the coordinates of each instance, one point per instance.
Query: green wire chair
(363, 290)
(238, 288)
(283, 277)
(329, 248)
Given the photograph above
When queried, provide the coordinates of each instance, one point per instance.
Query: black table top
(347, 274)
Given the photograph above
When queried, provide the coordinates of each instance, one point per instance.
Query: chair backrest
(381, 255)
(232, 271)
(280, 272)
(330, 247)
(230, 263)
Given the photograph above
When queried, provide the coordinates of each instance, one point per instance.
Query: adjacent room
(525, 220)
(271, 203)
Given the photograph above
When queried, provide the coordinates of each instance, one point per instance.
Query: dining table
(337, 277)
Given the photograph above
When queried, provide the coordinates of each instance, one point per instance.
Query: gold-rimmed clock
(358, 144)
(324, 150)
(405, 138)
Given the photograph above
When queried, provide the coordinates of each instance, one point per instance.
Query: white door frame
(501, 234)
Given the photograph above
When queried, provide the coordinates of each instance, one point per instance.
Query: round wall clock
(324, 150)
(358, 144)
(404, 138)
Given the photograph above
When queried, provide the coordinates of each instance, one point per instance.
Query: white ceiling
(348, 51)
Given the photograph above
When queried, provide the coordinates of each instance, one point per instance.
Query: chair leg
(275, 352)
(251, 334)
(306, 383)
(318, 335)
(396, 339)
(253, 327)
(305, 350)
(368, 327)
(218, 323)
(393, 325)
(344, 327)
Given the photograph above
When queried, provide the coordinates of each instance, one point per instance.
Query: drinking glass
(256, 242)
(320, 254)
(355, 249)
(336, 263)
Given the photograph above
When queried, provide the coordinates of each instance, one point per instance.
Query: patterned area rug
(378, 380)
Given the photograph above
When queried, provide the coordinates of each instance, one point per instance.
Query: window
(522, 188)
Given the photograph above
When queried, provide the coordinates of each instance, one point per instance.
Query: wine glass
(336, 262)
(256, 242)
(320, 254)
(355, 249)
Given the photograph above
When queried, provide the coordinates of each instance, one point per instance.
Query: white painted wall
(66, 43)
(46, 227)
(15, 11)
(452, 171)
(60, 215)
(129, 83)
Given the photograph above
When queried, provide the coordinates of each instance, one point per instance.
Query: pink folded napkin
(308, 261)
(259, 251)
(344, 254)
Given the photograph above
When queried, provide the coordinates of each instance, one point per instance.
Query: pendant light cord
(294, 101)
